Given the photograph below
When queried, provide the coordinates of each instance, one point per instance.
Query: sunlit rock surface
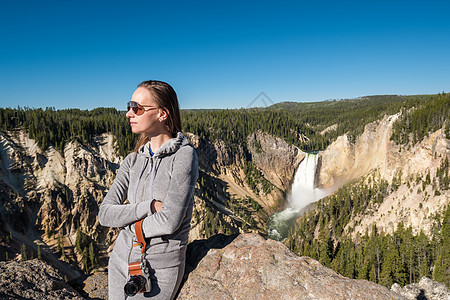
(251, 267)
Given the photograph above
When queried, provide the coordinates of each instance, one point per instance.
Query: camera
(139, 281)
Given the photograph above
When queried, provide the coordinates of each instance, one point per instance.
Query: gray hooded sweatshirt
(168, 176)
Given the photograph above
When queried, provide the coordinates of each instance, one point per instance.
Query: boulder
(251, 267)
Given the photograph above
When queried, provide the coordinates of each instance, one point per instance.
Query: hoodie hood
(167, 148)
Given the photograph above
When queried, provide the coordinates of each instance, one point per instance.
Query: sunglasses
(138, 109)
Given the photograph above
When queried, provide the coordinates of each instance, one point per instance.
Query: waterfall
(303, 193)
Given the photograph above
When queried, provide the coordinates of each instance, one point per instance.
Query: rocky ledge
(251, 267)
(33, 279)
(245, 266)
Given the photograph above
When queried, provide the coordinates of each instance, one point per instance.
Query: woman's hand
(156, 206)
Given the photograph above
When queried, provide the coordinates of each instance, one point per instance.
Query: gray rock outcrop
(426, 289)
(94, 286)
(33, 279)
(251, 267)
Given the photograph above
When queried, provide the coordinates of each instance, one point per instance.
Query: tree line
(414, 124)
(50, 127)
(300, 124)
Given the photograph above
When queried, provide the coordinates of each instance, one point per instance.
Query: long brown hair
(165, 98)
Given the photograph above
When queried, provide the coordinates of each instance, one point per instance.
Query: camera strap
(141, 241)
(140, 235)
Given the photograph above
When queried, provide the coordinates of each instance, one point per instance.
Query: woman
(158, 179)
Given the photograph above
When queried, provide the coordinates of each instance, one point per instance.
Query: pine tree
(439, 269)
(92, 257)
(48, 230)
(408, 251)
(23, 253)
(423, 254)
(389, 265)
(325, 248)
(78, 240)
(442, 262)
(60, 247)
(84, 259)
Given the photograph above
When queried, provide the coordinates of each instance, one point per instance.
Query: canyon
(50, 199)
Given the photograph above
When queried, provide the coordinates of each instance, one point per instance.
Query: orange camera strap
(140, 235)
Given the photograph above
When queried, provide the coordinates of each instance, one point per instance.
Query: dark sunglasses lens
(134, 106)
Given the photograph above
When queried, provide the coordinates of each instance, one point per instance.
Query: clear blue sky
(220, 54)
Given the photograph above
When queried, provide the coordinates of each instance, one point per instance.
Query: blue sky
(217, 54)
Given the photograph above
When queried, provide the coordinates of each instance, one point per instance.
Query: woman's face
(149, 122)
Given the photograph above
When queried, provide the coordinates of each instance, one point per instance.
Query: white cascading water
(301, 195)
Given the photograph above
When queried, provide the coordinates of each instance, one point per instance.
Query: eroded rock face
(213, 156)
(344, 161)
(33, 279)
(55, 192)
(251, 267)
(374, 155)
(277, 159)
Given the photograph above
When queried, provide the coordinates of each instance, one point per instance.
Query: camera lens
(134, 285)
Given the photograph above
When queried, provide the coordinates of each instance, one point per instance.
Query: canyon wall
(374, 155)
(50, 197)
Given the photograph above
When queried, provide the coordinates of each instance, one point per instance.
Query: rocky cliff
(277, 159)
(52, 195)
(251, 267)
(344, 161)
(414, 200)
(274, 159)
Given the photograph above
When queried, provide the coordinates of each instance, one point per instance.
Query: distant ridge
(376, 98)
